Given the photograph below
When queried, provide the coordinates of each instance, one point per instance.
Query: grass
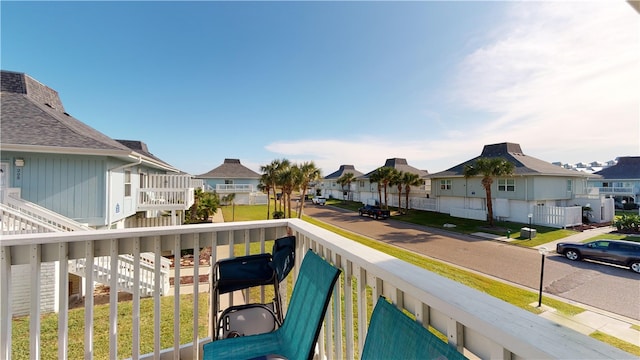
(49, 332)
(635, 238)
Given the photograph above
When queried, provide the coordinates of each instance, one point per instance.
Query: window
(228, 182)
(445, 184)
(506, 185)
(361, 183)
(569, 185)
(127, 183)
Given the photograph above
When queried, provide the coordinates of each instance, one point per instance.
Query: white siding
(21, 288)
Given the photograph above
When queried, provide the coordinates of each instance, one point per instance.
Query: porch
(476, 324)
(166, 192)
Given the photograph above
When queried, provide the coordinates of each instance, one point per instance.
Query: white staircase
(126, 269)
(19, 216)
(26, 217)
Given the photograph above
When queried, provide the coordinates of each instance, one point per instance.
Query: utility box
(528, 233)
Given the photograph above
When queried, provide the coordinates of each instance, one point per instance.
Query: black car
(619, 252)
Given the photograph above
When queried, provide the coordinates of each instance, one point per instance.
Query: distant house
(329, 184)
(553, 195)
(368, 191)
(234, 178)
(620, 181)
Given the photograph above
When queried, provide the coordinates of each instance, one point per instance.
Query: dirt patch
(100, 296)
(189, 279)
(188, 260)
(584, 227)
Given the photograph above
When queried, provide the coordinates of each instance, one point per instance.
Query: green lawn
(49, 332)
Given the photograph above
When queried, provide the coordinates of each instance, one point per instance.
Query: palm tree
(376, 177)
(205, 205)
(267, 183)
(409, 180)
(386, 175)
(282, 167)
(396, 179)
(287, 180)
(489, 168)
(308, 173)
(345, 180)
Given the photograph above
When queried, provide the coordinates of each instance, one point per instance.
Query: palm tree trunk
(268, 203)
(406, 194)
(489, 206)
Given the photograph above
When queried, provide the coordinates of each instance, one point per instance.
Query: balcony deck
(478, 325)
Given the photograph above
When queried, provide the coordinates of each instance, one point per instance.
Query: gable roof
(524, 164)
(400, 164)
(628, 167)
(344, 169)
(230, 169)
(33, 120)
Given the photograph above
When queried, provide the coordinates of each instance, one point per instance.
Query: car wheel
(572, 255)
(635, 266)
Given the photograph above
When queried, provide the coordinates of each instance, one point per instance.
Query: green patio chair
(394, 335)
(297, 336)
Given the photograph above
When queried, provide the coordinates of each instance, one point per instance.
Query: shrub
(628, 223)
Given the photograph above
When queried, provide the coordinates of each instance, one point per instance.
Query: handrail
(473, 322)
(16, 222)
(45, 215)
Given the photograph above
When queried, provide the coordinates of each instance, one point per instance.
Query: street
(610, 288)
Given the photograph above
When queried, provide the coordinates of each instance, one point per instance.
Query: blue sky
(340, 82)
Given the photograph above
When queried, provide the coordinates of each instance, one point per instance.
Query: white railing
(14, 222)
(198, 184)
(168, 181)
(234, 188)
(616, 190)
(473, 322)
(126, 268)
(164, 199)
(37, 214)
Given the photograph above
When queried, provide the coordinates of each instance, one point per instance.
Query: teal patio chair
(394, 335)
(297, 336)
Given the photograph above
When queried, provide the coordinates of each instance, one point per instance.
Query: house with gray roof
(53, 160)
(620, 181)
(368, 191)
(231, 177)
(329, 186)
(553, 195)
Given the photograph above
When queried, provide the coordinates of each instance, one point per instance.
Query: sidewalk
(592, 319)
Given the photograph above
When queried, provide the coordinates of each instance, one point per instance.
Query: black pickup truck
(374, 211)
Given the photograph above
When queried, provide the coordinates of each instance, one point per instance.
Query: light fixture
(19, 162)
